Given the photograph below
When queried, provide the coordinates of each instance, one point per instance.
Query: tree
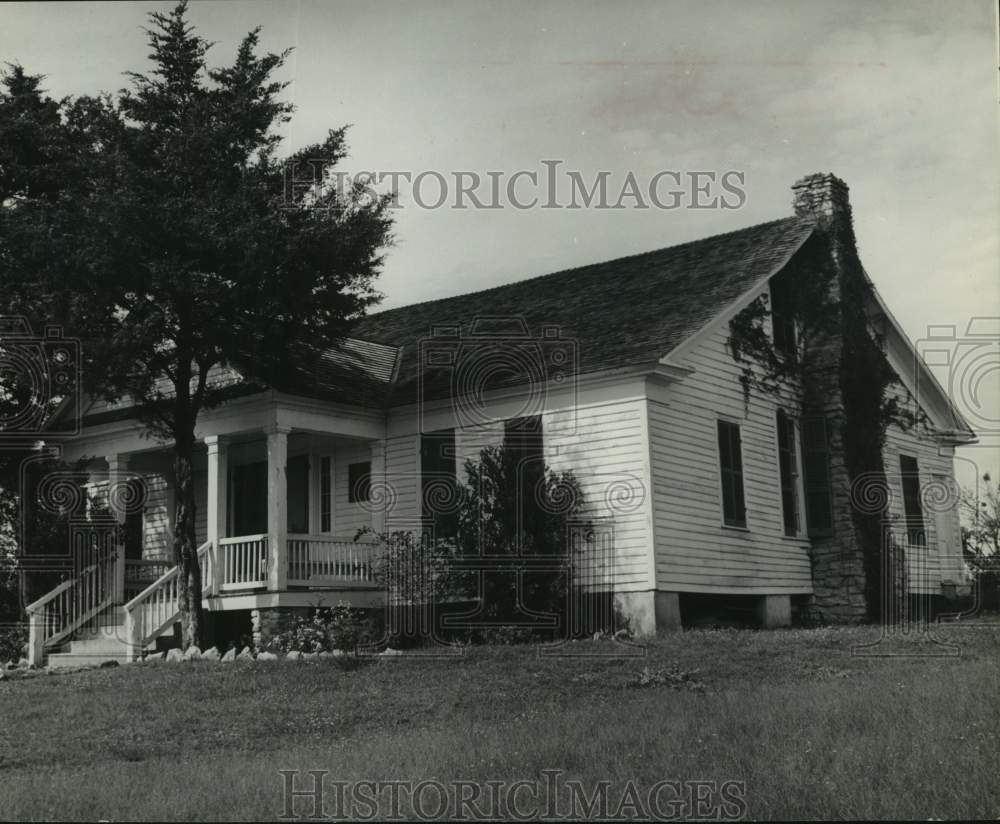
(36, 167)
(176, 247)
(516, 510)
(981, 532)
(500, 538)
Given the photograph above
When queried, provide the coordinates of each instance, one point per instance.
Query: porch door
(297, 474)
(248, 499)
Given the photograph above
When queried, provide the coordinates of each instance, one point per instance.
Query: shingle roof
(616, 313)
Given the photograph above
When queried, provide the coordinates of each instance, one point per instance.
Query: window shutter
(788, 472)
(912, 507)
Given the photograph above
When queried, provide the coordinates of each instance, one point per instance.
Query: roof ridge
(790, 219)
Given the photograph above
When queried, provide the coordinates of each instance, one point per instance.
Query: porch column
(218, 474)
(379, 492)
(116, 469)
(277, 507)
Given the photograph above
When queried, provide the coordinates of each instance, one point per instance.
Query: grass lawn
(812, 731)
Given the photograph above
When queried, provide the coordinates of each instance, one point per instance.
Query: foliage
(506, 635)
(807, 286)
(981, 531)
(504, 545)
(335, 628)
(826, 293)
(13, 641)
(981, 540)
(416, 568)
(821, 305)
(173, 245)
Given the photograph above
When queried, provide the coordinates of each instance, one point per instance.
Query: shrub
(13, 641)
(506, 635)
(499, 539)
(330, 628)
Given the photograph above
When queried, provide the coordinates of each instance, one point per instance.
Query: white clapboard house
(630, 383)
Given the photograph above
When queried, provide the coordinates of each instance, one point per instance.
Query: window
(789, 470)
(914, 511)
(325, 497)
(437, 474)
(816, 471)
(783, 316)
(359, 482)
(731, 468)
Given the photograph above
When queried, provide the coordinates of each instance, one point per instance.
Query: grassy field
(813, 731)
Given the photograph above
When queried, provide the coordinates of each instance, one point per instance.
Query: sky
(899, 99)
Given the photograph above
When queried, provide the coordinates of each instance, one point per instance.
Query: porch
(281, 510)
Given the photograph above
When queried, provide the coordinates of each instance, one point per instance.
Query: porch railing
(59, 613)
(139, 574)
(319, 560)
(243, 562)
(158, 606)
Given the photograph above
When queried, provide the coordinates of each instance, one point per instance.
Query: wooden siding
(941, 558)
(603, 442)
(348, 517)
(605, 446)
(402, 467)
(694, 551)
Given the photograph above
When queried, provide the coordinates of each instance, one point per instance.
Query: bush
(498, 540)
(335, 628)
(507, 635)
(13, 642)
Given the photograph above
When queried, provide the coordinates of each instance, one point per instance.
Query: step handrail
(91, 598)
(136, 637)
(35, 606)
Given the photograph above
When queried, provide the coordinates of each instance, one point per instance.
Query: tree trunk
(185, 543)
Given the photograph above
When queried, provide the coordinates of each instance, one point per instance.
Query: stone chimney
(842, 577)
(822, 197)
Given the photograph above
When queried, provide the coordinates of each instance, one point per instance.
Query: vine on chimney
(827, 304)
(822, 306)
